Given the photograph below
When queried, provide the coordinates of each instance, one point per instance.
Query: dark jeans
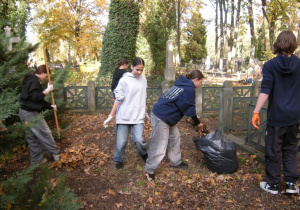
(281, 143)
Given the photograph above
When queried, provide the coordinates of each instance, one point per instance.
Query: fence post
(198, 100)
(226, 95)
(256, 84)
(91, 96)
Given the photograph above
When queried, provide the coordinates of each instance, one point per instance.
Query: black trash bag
(219, 152)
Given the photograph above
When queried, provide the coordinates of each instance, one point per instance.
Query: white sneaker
(269, 188)
(291, 188)
(56, 157)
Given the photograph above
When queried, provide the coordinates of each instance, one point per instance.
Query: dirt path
(100, 186)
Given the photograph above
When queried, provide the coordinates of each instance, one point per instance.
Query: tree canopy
(77, 22)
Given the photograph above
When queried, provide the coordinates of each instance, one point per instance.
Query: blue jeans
(122, 139)
(38, 137)
(165, 140)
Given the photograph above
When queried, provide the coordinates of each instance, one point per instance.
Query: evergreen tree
(14, 14)
(195, 48)
(157, 27)
(12, 70)
(120, 36)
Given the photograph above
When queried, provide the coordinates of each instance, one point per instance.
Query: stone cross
(12, 39)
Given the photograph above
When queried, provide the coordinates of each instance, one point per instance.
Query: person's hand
(255, 120)
(54, 107)
(200, 127)
(147, 117)
(107, 121)
(49, 88)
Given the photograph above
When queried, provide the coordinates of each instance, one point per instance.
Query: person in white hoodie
(130, 109)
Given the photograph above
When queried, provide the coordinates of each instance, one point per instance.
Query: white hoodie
(131, 94)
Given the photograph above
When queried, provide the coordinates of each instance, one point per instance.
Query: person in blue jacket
(176, 102)
(281, 86)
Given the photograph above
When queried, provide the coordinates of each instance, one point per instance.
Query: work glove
(49, 88)
(147, 117)
(255, 120)
(54, 107)
(107, 120)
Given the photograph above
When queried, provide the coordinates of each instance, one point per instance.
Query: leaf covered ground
(87, 151)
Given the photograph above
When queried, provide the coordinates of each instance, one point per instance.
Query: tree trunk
(237, 23)
(216, 29)
(251, 23)
(221, 30)
(178, 30)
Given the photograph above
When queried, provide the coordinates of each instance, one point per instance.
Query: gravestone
(12, 39)
(169, 70)
(207, 63)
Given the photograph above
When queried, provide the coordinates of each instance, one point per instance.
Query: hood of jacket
(284, 64)
(28, 77)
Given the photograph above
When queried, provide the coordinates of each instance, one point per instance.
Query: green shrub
(35, 188)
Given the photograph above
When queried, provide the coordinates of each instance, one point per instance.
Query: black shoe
(119, 166)
(145, 157)
(291, 188)
(181, 165)
(152, 177)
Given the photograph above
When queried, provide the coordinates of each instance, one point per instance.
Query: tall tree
(157, 25)
(195, 48)
(15, 14)
(75, 21)
(120, 36)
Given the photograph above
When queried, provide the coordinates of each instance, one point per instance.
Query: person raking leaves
(38, 136)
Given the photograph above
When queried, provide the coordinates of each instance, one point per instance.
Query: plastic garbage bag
(219, 152)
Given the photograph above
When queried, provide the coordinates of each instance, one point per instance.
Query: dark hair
(40, 69)
(122, 62)
(195, 74)
(138, 61)
(285, 43)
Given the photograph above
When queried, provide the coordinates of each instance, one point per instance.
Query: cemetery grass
(87, 151)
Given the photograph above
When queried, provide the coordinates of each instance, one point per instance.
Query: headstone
(12, 39)
(207, 63)
(169, 70)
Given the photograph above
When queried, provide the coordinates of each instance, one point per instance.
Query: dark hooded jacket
(176, 102)
(118, 73)
(32, 96)
(281, 81)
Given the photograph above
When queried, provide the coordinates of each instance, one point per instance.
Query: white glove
(49, 88)
(107, 120)
(54, 107)
(147, 117)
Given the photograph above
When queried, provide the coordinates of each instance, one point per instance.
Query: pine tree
(12, 70)
(120, 36)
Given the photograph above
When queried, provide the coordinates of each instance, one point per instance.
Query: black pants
(281, 142)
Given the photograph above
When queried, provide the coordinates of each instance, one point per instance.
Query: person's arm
(112, 113)
(262, 98)
(114, 109)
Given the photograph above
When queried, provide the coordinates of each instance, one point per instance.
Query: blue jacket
(281, 81)
(176, 102)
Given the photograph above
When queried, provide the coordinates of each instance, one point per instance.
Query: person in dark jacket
(38, 137)
(176, 102)
(122, 66)
(281, 86)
